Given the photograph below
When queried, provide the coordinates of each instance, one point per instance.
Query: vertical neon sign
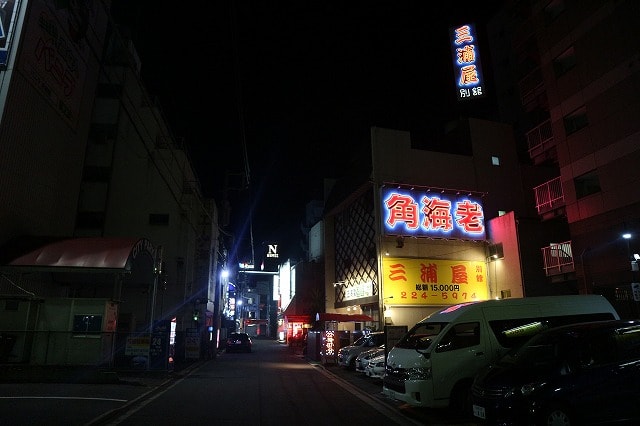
(466, 62)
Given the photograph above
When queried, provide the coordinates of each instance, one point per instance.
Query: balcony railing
(540, 139)
(549, 195)
(558, 258)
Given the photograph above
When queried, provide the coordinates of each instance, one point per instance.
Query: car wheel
(352, 364)
(556, 415)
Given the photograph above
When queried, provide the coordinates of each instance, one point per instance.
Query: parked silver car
(362, 360)
(376, 366)
(347, 355)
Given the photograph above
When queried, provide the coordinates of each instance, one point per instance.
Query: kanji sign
(466, 62)
(435, 215)
(433, 282)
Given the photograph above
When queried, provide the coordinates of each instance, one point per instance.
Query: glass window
(513, 332)
(576, 120)
(421, 335)
(587, 184)
(87, 323)
(460, 336)
(564, 62)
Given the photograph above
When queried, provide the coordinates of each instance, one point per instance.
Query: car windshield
(540, 351)
(421, 335)
(360, 341)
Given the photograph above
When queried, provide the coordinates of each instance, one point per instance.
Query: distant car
(376, 366)
(579, 374)
(238, 342)
(348, 354)
(362, 360)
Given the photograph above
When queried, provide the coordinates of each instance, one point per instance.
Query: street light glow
(626, 235)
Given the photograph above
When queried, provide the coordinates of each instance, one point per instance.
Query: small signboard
(393, 334)
(329, 347)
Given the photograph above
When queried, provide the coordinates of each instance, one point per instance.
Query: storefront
(73, 301)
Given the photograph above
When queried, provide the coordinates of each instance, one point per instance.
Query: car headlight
(524, 390)
(419, 373)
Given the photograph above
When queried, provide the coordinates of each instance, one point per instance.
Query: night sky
(301, 83)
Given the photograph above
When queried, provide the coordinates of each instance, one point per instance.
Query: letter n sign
(272, 251)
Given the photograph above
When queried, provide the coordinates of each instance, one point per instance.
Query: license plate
(478, 411)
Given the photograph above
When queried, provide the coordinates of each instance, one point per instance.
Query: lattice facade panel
(355, 246)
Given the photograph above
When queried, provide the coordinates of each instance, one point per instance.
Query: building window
(158, 219)
(495, 161)
(576, 120)
(587, 184)
(564, 62)
(87, 324)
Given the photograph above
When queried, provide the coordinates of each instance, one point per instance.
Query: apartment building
(566, 73)
(106, 241)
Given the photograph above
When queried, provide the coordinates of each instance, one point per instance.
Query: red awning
(326, 316)
(91, 253)
(256, 321)
(305, 319)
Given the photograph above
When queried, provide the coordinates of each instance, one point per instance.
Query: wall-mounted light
(496, 251)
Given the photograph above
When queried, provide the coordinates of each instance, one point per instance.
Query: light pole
(633, 262)
(627, 237)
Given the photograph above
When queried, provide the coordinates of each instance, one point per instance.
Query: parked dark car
(238, 342)
(581, 374)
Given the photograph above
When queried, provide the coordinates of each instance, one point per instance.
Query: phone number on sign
(444, 292)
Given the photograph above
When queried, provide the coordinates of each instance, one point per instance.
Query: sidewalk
(11, 373)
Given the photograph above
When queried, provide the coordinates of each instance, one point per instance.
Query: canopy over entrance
(91, 254)
(326, 316)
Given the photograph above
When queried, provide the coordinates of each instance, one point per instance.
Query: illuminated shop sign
(358, 291)
(433, 282)
(329, 344)
(466, 62)
(435, 215)
(271, 258)
(7, 24)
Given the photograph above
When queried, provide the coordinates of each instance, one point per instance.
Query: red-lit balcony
(541, 143)
(558, 259)
(550, 199)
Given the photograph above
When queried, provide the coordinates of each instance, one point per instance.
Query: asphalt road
(270, 386)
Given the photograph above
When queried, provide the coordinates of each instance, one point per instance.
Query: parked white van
(434, 364)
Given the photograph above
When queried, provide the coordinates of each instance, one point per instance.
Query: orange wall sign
(433, 282)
